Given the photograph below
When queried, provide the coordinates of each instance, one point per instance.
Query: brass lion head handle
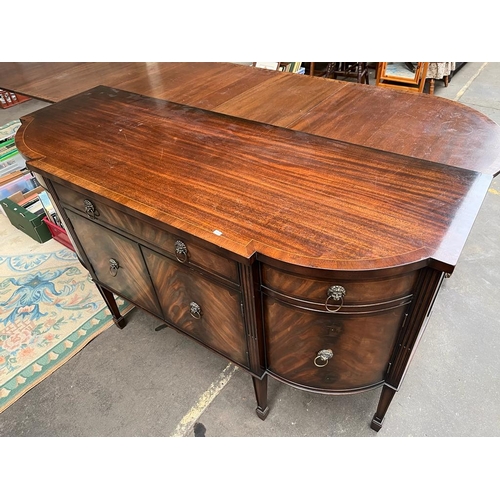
(195, 310)
(181, 252)
(90, 209)
(321, 360)
(113, 267)
(335, 293)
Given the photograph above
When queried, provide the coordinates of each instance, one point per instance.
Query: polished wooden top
(253, 189)
(415, 125)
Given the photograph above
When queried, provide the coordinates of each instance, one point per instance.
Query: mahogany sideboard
(292, 254)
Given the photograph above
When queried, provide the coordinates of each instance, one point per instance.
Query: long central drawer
(93, 208)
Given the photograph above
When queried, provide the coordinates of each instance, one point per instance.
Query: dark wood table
(418, 126)
(300, 227)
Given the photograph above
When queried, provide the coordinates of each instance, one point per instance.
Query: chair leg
(330, 70)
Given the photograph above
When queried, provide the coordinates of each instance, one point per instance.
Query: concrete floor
(142, 382)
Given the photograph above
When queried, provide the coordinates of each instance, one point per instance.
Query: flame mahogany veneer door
(117, 262)
(198, 306)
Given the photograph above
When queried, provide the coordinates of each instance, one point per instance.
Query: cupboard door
(117, 262)
(198, 306)
(330, 352)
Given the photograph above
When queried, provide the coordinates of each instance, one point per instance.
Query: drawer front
(207, 311)
(360, 346)
(184, 251)
(117, 262)
(345, 292)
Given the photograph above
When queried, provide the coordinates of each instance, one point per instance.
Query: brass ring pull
(113, 267)
(90, 210)
(195, 310)
(181, 253)
(321, 360)
(336, 293)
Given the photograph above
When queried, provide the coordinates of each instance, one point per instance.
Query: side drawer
(360, 346)
(186, 252)
(117, 262)
(337, 294)
(196, 305)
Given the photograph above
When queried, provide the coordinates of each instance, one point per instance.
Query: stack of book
(22, 199)
(10, 159)
(14, 176)
(32, 203)
(16, 182)
(294, 67)
(37, 202)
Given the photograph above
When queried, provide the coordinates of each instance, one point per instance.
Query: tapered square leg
(109, 298)
(383, 404)
(260, 388)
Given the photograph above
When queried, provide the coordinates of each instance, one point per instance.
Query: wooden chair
(398, 75)
(357, 70)
(315, 68)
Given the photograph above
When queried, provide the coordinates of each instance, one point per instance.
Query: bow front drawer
(334, 294)
(330, 352)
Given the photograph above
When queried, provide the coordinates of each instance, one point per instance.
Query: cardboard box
(27, 222)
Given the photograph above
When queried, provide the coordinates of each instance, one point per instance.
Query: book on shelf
(294, 67)
(34, 206)
(12, 176)
(12, 163)
(8, 148)
(29, 198)
(9, 130)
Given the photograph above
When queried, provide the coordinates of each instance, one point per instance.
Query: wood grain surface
(117, 219)
(220, 324)
(416, 125)
(361, 346)
(252, 188)
(336, 185)
(131, 279)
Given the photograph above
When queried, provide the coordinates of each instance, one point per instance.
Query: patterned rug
(49, 310)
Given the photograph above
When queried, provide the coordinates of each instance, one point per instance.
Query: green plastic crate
(27, 222)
